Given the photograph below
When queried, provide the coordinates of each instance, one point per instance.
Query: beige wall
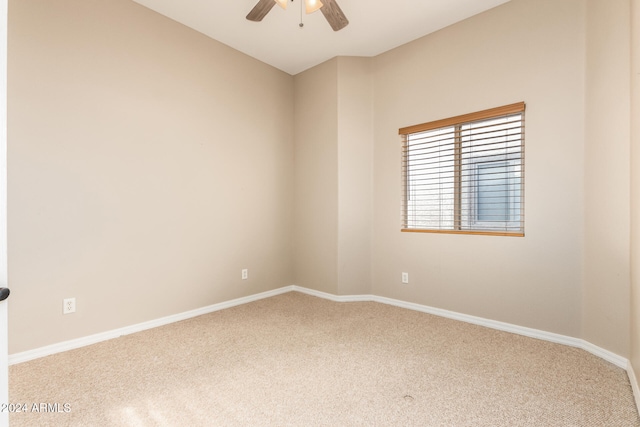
(605, 320)
(525, 50)
(333, 167)
(148, 164)
(316, 178)
(635, 188)
(355, 169)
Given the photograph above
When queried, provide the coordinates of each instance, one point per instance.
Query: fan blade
(334, 15)
(260, 10)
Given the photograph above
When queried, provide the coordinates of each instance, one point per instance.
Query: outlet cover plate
(68, 305)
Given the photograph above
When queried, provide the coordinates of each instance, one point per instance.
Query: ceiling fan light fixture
(329, 8)
(312, 5)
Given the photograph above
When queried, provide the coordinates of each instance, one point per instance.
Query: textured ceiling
(375, 26)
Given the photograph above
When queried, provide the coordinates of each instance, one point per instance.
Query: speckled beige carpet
(297, 360)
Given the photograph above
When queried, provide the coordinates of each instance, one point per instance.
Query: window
(465, 174)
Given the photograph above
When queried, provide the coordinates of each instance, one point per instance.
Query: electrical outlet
(68, 305)
(245, 274)
(405, 277)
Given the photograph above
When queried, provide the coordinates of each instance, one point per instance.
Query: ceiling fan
(329, 9)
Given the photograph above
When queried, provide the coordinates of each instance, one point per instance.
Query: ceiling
(375, 26)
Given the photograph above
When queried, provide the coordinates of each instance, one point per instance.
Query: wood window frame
(457, 122)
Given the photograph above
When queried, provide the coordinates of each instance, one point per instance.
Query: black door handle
(4, 293)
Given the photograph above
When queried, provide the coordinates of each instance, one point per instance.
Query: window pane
(430, 179)
(493, 193)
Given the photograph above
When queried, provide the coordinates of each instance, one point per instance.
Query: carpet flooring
(298, 360)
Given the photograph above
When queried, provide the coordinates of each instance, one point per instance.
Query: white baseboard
(493, 324)
(104, 336)
(332, 297)
(619, 361)
(634, 384)
(507, 327)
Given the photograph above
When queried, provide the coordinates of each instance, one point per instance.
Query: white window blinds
(465, 174)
